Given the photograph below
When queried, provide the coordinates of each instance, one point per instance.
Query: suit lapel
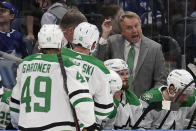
(121, 48)
(142, 55)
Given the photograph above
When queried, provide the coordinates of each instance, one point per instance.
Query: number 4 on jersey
(25, 97)
(80, 77)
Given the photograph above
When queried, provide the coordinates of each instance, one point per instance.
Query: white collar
(8, 33)
(12, 30)
(137, 45)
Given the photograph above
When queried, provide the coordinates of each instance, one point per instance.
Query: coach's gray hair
(129, 14)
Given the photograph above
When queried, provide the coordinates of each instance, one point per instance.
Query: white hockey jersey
(175, 120)
(39, 101)
(97, 76)
(126, 112)
(5, 110)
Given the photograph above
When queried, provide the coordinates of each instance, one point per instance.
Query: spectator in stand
(26, 22)
(28, 19)
(147, 10)
(11, 40)
(54, 13)
(33, 18)
(11, 43)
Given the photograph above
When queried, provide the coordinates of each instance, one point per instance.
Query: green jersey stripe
(14, 110)
(102, 114)
(113, 114)
(86, 99)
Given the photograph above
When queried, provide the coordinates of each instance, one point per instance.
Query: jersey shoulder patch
(152, 95)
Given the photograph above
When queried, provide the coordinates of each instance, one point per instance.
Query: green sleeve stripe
(102, 114)
(113, 114)
(86, 99)
(116, 102)
(14, 110)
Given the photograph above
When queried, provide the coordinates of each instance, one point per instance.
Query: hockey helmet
(51, 36)
(116, 64)
(86, 34)
(179, 78)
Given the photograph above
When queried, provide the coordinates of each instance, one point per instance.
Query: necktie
(130, 62)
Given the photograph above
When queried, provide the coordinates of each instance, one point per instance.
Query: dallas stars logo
(48, 39)
(80, 38)
(147, 96)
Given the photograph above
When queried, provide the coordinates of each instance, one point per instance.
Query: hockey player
(4, 107)
(85, 37)
(39, 101)
(4, 110)
(176, 80)
(127, 106)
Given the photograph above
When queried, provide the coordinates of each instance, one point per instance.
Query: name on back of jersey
(36, 67)
(86, 68)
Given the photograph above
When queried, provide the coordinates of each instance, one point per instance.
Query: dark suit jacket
(150, 70)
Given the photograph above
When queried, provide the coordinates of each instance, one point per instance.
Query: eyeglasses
(3, 10)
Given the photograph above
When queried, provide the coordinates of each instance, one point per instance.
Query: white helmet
(51, 36)
(86, 34)
(115, 81)
(116, 64)
(179, 78)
